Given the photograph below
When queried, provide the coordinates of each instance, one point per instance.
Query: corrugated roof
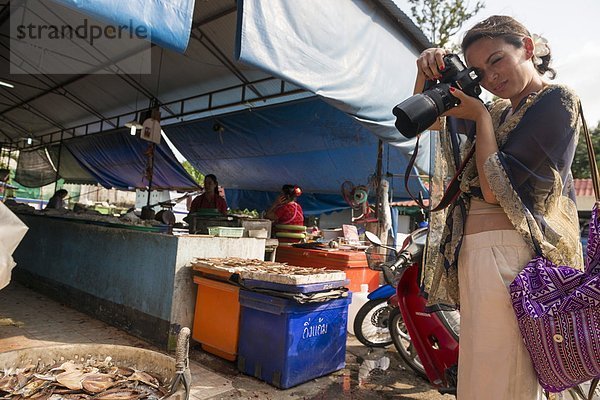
(583, 187)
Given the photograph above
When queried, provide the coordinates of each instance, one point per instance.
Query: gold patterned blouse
(530, 176)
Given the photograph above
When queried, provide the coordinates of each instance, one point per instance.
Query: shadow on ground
(369, 374)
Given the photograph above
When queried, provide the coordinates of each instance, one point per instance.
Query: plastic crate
(216, 317)
(226, 231)
(286, 343)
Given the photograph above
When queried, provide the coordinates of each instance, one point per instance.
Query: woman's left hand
(470, 108)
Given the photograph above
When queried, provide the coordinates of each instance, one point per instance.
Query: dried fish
(146, 378)
(33, 386)
(9, 383)
(83, 380)
(119, 394)
(71, 379)
(67, 367)
(121, 371)
(50, 378)
(96, 383)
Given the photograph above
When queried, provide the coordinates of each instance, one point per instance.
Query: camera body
(420, 111)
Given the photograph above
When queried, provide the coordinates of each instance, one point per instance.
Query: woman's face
(506, 71)
(209, 185)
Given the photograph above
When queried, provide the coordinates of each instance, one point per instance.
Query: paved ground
(29, 319)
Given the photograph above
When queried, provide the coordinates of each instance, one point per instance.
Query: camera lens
(420, 111)
(415, 114)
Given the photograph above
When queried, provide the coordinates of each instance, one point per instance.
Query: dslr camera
(420, 111)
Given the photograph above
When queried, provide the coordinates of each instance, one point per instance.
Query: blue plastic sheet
(307, 143)
(118, 160)
(351, 53)
(312, 203)
(168, 21)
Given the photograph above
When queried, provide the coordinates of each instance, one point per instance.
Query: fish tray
(301, 288)
(149, 361)
(289, 275)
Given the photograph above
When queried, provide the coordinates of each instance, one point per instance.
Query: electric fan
(357, 199)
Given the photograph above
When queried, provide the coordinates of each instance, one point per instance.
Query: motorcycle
(371, 321)
(427, 338)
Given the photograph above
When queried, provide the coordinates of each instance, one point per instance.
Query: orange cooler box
(353, 263)
(216, 318)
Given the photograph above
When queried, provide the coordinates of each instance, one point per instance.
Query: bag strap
(591, 155)
(452, 190)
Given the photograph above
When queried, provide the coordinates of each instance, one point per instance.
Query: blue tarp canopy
(350, 53)
(168, 21)
(312, 203)
(306, 142)
(119, 160)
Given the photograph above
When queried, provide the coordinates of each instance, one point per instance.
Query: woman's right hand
(430, 62)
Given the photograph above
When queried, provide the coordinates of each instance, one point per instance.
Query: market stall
(132, 277)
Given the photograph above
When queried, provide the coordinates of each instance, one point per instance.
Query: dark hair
(508, 29)
(291, 192)
(61, 193)
(214, 179)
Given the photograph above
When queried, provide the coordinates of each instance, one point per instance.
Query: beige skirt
(493, 361)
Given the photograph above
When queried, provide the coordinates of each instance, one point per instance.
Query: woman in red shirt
(211, 197)
(285, 210)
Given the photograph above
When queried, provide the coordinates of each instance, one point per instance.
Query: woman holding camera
(517, 197)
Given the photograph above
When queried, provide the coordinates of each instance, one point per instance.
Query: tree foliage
(441, 19)
(193, 172)
(581, 164)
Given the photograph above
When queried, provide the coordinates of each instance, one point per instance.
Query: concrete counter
(135, 280)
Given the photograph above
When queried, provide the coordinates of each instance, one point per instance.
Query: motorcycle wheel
(403, 343)
(371, 324)
(451, 319)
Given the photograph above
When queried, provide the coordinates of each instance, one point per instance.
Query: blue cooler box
(286, 343)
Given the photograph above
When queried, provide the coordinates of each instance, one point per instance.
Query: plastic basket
(377, 256)
(226, 231)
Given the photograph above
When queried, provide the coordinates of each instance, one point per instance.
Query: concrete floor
(29, 319)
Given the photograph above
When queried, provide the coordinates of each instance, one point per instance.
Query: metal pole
(150, 170)
(60, 145)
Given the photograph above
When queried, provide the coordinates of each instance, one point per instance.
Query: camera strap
(452, 190)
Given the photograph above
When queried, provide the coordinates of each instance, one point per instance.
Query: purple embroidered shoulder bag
(558, 309)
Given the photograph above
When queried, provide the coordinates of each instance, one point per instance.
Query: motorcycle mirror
(373, 238)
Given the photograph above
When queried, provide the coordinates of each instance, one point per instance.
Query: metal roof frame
(31, 113)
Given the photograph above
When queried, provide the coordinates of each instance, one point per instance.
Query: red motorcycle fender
(435, 345)
(393, 301)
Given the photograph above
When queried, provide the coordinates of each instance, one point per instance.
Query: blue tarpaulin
(312, 203)
(168, 21)
(308, 143)
(119, 160)
(351, 53)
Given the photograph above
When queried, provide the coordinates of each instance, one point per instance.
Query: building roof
(583, 187)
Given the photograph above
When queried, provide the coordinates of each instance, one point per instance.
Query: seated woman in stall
(57, 201)
(287, 215)
(211, 198)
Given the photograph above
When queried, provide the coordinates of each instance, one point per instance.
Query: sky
(571, 28)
